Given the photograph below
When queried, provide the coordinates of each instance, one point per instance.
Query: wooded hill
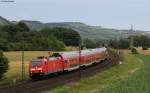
(86, 31)
(18, 37)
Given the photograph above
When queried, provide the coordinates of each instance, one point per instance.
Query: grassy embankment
(138, 82)
(104, 79)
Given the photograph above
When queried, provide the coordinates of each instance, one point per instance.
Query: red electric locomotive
(65, 61)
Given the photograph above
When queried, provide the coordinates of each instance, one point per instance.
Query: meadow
(104, 81)
(15, 65)
(138, 82)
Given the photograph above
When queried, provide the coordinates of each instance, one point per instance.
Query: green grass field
(138, 82)
(113, 77)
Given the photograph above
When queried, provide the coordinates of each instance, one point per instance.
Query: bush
(3, 64)
(134, 51)
(115, 56)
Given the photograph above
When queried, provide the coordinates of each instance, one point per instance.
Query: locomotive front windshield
(36, 63)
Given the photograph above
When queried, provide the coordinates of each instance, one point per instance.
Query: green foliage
(134, 50)
(89, 43)
(3, 64)
(3, 44)
(118, 54)
(113, 44)
(138, 41)
(124, 43)
(94, 32)
(86, 31)
(55, 44)
(142, 40)
(19, 36)
(137, 82)
(23, 26)
(68, 36)
(119, 44)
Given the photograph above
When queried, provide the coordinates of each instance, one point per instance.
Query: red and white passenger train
(65, 61)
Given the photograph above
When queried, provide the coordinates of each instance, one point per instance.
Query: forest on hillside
(18, 37)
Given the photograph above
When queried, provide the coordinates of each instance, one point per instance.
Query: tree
(3, 64)
(124, 44)
(119, 44)
(9, 31)
(113, 44)
(54, 44)
(142, 40)
(3, 44)
(89, 43)
(22, 26)
(67, 35)
(12, 36)
(71, 37)
(145, 41)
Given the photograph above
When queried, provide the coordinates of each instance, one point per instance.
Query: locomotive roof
(37, 60)
(73, 54)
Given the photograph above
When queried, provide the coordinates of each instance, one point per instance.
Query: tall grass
(15, 66)
(17, 55)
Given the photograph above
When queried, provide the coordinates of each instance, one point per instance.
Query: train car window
(36, 63)
(53, 59)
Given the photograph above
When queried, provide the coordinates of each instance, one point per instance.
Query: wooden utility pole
(80, 42)
(23, 67)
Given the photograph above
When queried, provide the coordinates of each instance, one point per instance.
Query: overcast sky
(106, 13)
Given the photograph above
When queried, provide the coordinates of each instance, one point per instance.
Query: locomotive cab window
(36, 63)
(53, 58)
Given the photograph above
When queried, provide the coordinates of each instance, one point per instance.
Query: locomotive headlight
(32, 69)
(39, 68)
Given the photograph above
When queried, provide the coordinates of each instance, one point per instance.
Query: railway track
(47, 84)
